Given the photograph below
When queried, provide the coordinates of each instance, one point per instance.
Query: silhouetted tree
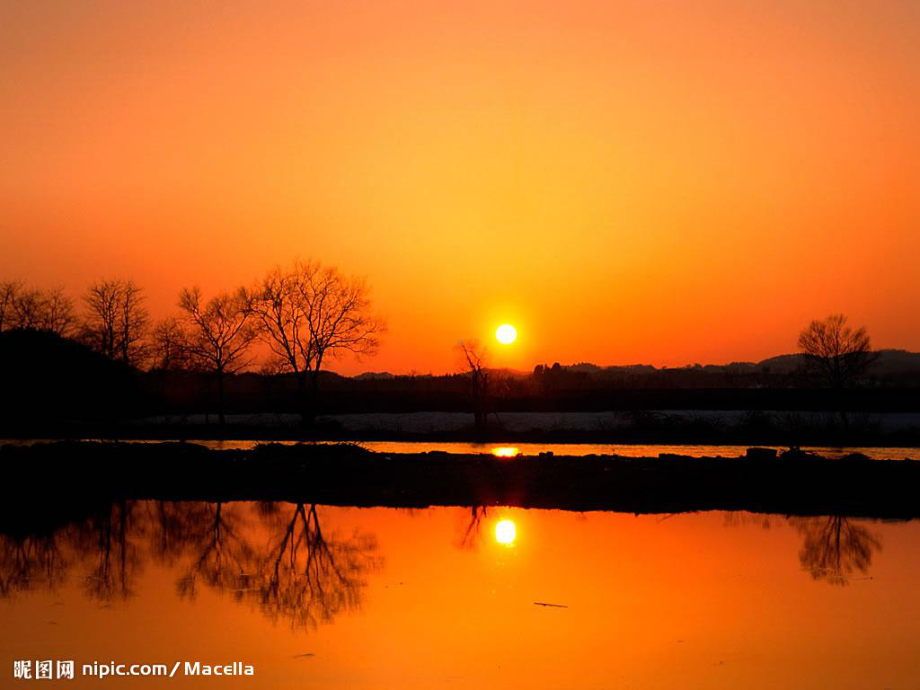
(57, 313)
(9, 289)
(27, 309)
(474, 357)
(169, 345)
(836, 353)
(116, 320)
(310, 315)
(221, 335)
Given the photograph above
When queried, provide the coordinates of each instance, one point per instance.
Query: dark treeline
(305, 317)
(108, 361)
(56, 372)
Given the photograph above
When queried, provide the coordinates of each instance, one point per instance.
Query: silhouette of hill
(374, 375)
(46, 377)
(889, 362)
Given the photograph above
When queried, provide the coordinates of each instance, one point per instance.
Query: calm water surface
(323, 597)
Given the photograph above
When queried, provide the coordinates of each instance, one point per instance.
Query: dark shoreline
(77, 473)
(833, 438)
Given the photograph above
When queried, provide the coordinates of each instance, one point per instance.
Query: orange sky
(624, 181)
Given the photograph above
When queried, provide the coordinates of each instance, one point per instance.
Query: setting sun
(506, 334)
(505, 532)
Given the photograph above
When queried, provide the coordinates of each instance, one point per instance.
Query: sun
(506, 334)
(505, 532)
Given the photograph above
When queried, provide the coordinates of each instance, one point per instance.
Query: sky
(655, 182)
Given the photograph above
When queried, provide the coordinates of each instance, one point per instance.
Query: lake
(328, 597)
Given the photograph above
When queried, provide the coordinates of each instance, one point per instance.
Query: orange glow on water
(693, 601)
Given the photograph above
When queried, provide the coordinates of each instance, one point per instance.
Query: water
(630, 450)
(322, 597)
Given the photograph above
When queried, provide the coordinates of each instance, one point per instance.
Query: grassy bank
(793, 483)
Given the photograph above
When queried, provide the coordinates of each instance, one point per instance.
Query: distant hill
(890, 362)
(374, 376)
(896, 361)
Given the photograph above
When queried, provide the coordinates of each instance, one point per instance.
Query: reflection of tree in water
(110, 556)
(470, 535)
(275, 556)
(295, 571)
(734, 518)
(30, 561)
(219, 551)
(835, 547)
(309, 577)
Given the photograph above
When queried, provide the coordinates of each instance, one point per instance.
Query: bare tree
(169, 345)
(133, 323)
(22, 307)
(474, 357)
(221, 335)
(27, 308)
(310, 315)
(836, 353)
(9, 290)
(57, 313)
(116, 320)
(101, 323)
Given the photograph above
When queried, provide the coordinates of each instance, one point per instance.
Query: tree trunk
(304, 394)
(220, 397)
(309, 401)
(479, 416)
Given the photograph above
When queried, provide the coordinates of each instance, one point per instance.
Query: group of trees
(24, 307)
(113, 321)
(835, 356)
(306, 316)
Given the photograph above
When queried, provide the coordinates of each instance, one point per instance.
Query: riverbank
(344, 474)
